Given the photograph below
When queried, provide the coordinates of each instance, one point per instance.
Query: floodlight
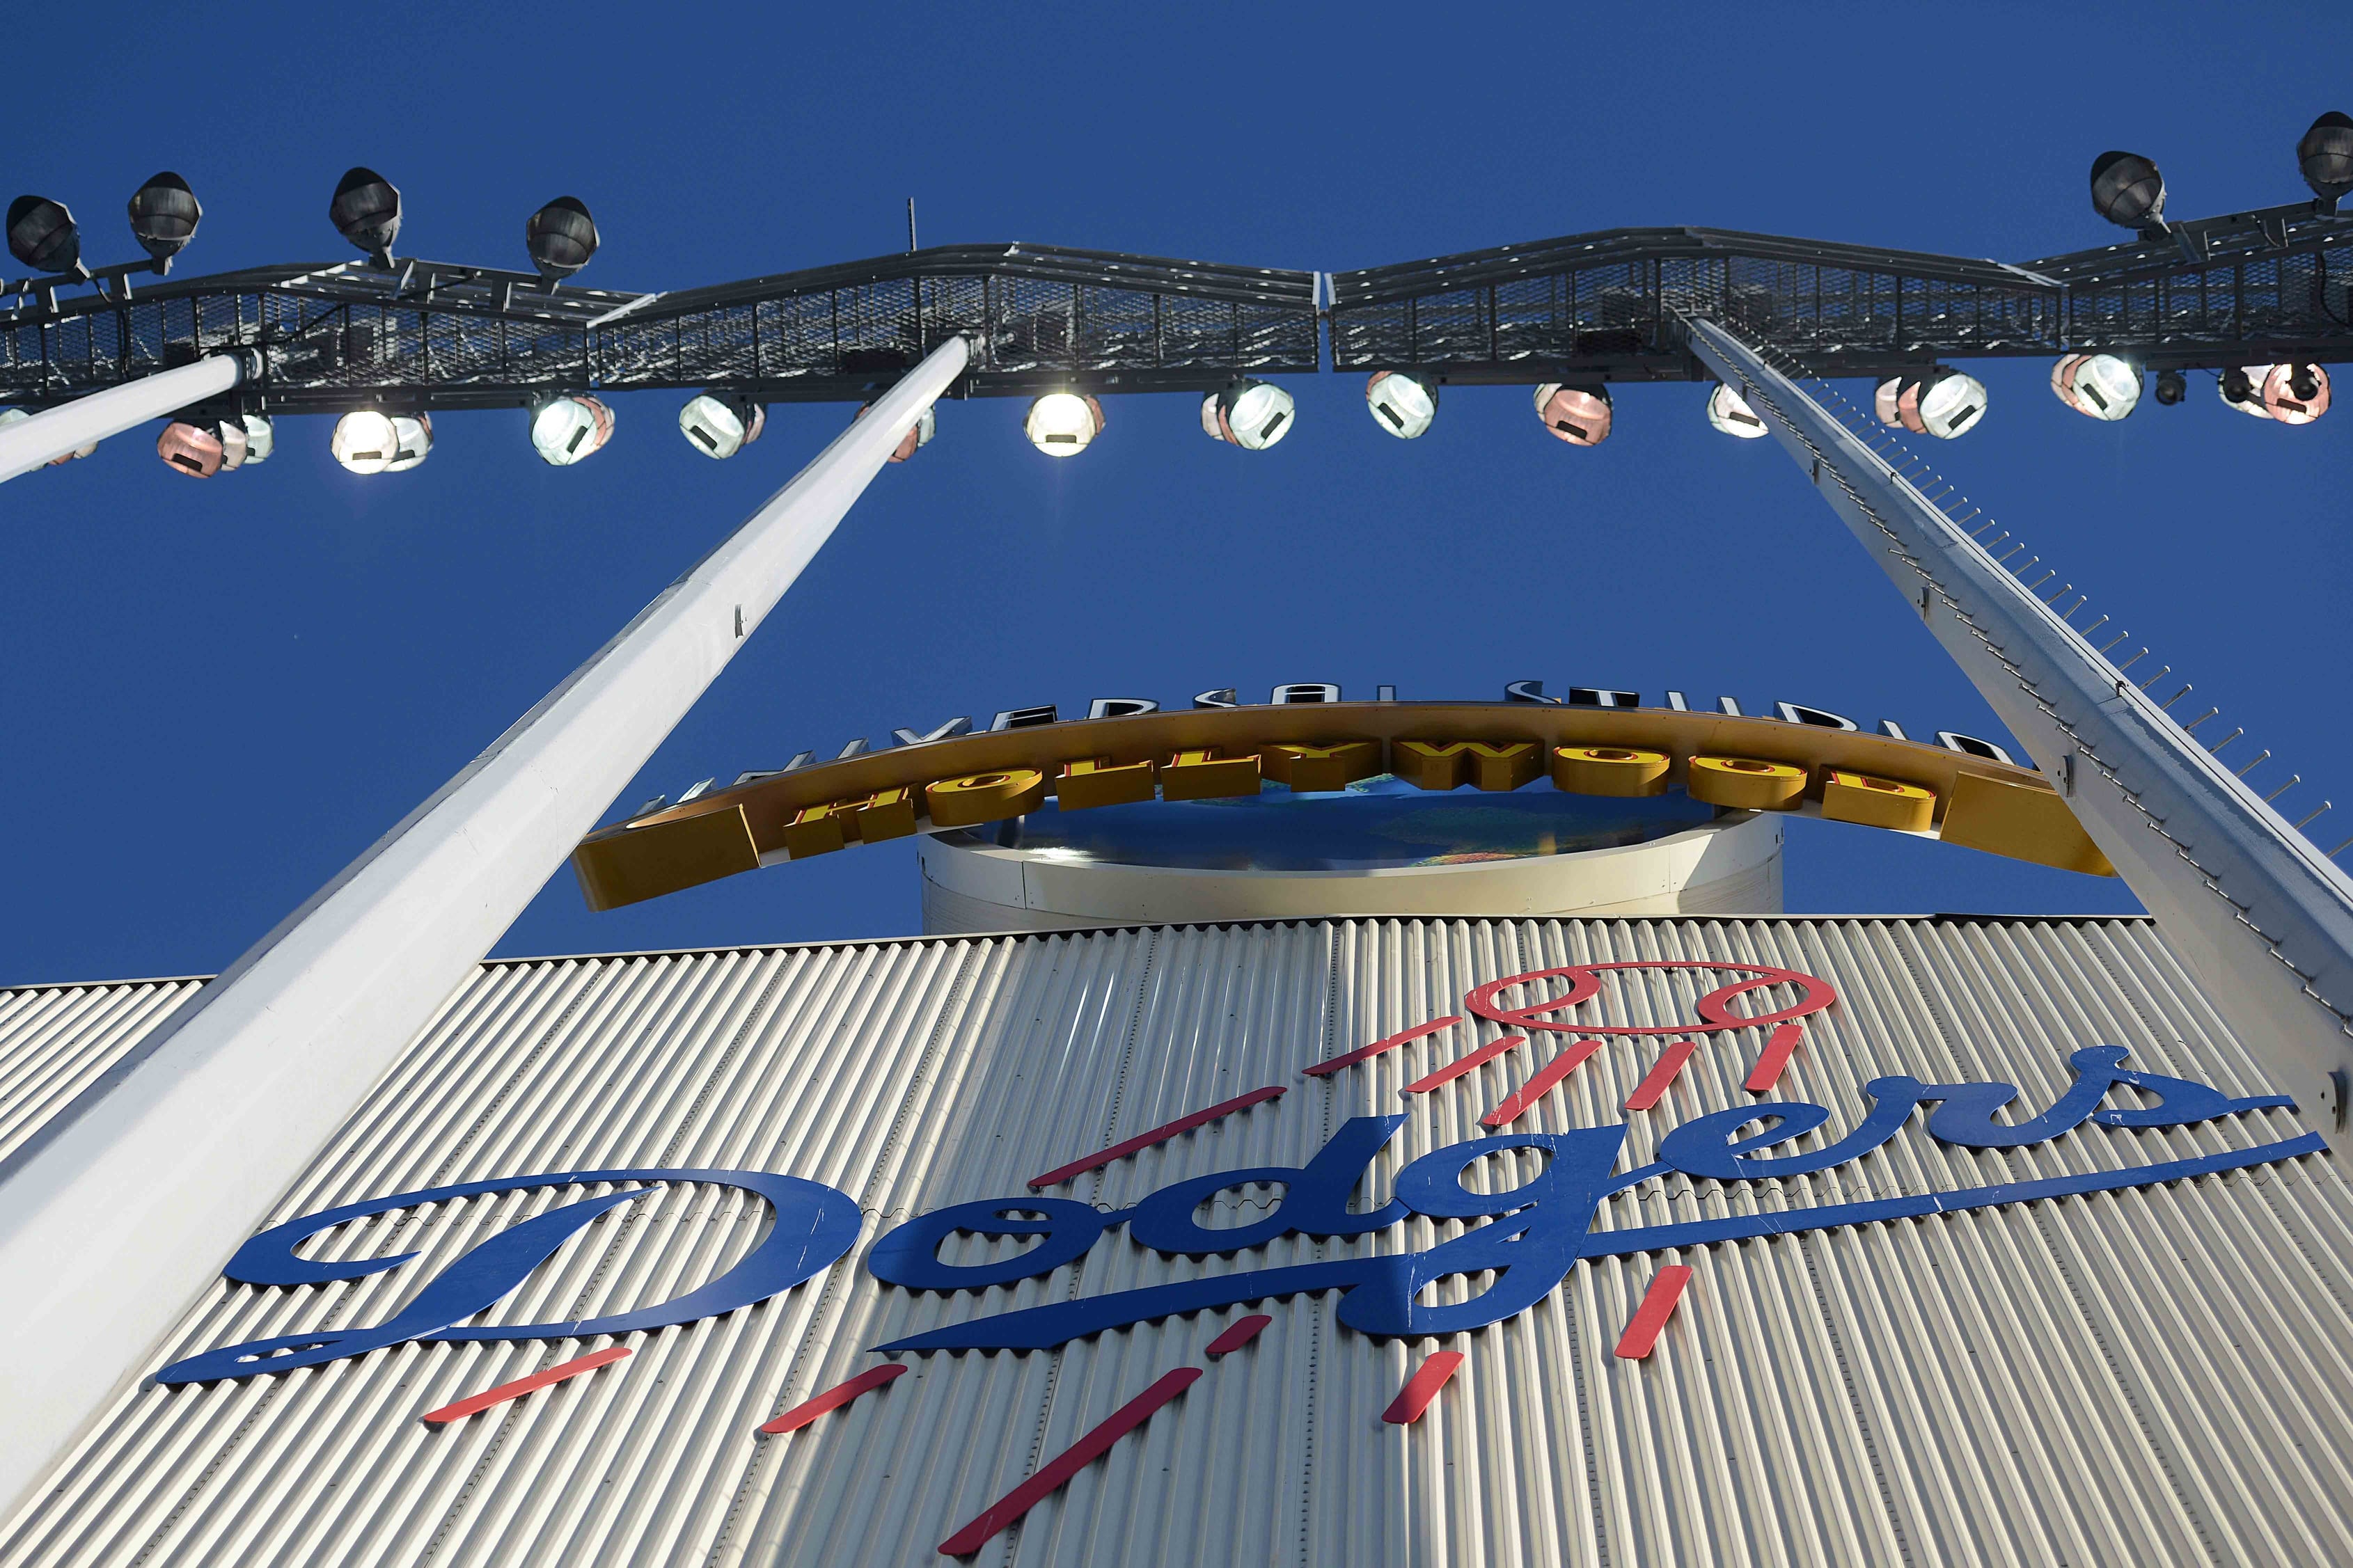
(1883, 401)
(367, 211)
(1728, 413)
(1250, 413)
(918, 436)
(1402, 403)
(365, 441)
(2241, 387)
(2172, 386)
(564, 430)
(2104, 387)
(720, 424)
(2126, 190)
(561, 238)
(41, 235)
(1061, 423)
(2325, 156)
(230, 434)
(261, 438)
(163, 215)
(1951, 401)
(2063, 379)
(191, 449)
(1577, 415)
(2295, 393)
(412, 438)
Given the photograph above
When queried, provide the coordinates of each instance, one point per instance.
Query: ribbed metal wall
(2159, 1375)
(57, 1040)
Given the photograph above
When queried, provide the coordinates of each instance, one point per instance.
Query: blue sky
(216, 694)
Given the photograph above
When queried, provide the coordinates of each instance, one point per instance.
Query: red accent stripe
(1779, 1047)
(1061, 1174)
(1056, 1472)
(1240, 1334)
(834, 1398)
(523, 1386)
(1323, 1069)
(1421, 1388)
(1570, 1059)
(1658, 1306)
(1453, 1070)
(1651, 1089)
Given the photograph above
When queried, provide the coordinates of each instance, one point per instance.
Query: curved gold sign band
(1206, 752)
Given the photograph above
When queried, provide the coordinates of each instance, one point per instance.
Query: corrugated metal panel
(57, 1040)
(2157, 1376)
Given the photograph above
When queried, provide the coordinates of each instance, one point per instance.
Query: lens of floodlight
(261, 438)
(1401, 403)
(1061, 423)
(561, 238)
(1883, 401)
(1951, 401)
(230, 434)
(2295, 393)
(366, 212)
(2127, 189)
(2063, 379)
(412, 438)
(1254, 415)
(2172, 386)
(564, 430)
(1728, 413)
(720, 424)
(191, 449)
(2325, 156)
(2104, 387)
(41, 235)
(365, 441)
(1579, 416)
(2241, 387)
(163, 215)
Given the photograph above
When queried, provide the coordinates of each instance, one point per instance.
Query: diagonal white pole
(128, 1202)
(26, 444)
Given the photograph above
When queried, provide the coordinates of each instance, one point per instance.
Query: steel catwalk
(2158, 1375)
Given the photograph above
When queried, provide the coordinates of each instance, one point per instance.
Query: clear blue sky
(216, 694)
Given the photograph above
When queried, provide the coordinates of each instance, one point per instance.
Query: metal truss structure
(2251, 288)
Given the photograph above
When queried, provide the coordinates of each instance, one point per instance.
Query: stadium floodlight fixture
(1579, 416)
(2127, 190)
(230, 434)
(1062, 424)
(918, 436)
(2063, 379)
(1729, 413)
(561, 238)
(1883, 401)
(1945, 403)
(42, 235)
(191, 449)
(2241, 387)
(2325, 157)
(564, 430)
(2103, 387)
(722, 424)
(2172, 386)
(365, 441)
(2295, 393)
(164, 217)
(367, 211)
(412, 441)
(260, 438)
(1250, 413)
(1401, 403)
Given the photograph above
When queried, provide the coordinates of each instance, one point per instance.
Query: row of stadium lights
(2127, 189)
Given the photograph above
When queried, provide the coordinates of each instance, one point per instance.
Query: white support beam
(127, 1204)
(26, 444)
(2260, 915)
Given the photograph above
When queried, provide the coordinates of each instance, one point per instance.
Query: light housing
(1950, 403)
(561, 238)
(1062, 424)
(2241, 387)
(1401, 403)
(163, 215)
(564, 430)
(411, 440)
(2063, 379)
(2103, 387)
(2127, 190)
(191, 449)
(2172, 386)
(367, 211)
(260, 438)
(1883, 401)
(2295, 393)
(365, 441)
(1579, 416)
(2325, 156)
(42, 235)
(720, 424)
(918, 436)
(1250, 413)
(1729, 413)
(230, 434)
